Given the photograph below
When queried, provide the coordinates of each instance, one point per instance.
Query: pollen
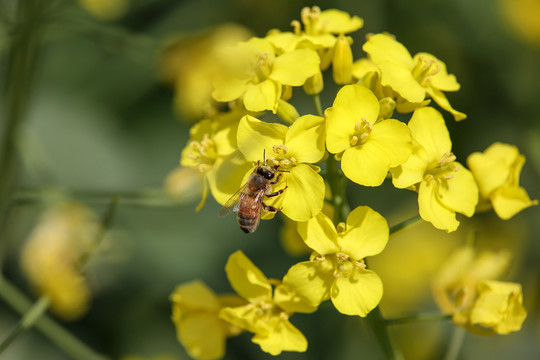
(203, 152)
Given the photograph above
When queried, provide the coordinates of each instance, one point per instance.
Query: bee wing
(232, 204)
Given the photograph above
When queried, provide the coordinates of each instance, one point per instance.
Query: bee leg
(269, 208)
(277, 179)
(276, 193)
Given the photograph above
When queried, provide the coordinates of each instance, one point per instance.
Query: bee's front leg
(277, 179)
(276, 193)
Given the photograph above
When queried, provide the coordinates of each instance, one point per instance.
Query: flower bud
(287, 112)
(314, 84)
(342, 61)
(387, 108)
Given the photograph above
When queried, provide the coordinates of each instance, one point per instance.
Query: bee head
(266, 172)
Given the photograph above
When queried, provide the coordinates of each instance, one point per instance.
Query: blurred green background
(97, 118)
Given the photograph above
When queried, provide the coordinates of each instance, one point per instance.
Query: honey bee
(248, 201)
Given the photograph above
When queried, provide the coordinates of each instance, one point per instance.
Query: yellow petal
(394, 138)
(428, 128)
(366, 233)
(255, 136)
(441, 80)
(245, 317)
(339, 22)
(282, 336)
(492, 168)
(227, 176)
(499, 306)
(246, 279)
(319, 234)
(295, 67)
(459, 193)
(229, 89)
(508, 201)
(352, 104)
(262, 96)
(366, 164)
(203, 336)
(358, 293)
(306, 138)
(195, 295)
(383, 47)
(401, 80)
(432, 210)
(440, 98)
(413, 170)
(307, 284)
(304, 196)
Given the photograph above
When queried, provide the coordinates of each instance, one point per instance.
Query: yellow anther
(357, 126)
(320, 258)
(204, 167)
(428, 177)
(279, 149)
(293, 160)
(336, 274)
(297, 27)
(363, 136)
(342, 256)
(283, 315)
(360, 264)
(354, 140)
(285, 163)
(341, 227)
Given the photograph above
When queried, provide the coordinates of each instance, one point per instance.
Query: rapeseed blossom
(199, 329)
(496, 172)
(413, 78)
(292, 150)
(258, 74)
(52, 255)
(264, 315)
(337, 270)
(465, 287)
(444, 186)
(367, 145)
(212, 151)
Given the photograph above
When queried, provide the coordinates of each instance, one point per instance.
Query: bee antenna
(264, 156)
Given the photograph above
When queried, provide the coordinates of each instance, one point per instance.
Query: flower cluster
(53, 254)
(255, 165)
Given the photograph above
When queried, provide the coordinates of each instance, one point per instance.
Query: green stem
(46, 325)
(417, 318)
(106, 223)
(26, 322)
(318, 107)
(23, 54)
(405, 224)
(144, 198)
(456, 342)
(378, 325)
(338, 187)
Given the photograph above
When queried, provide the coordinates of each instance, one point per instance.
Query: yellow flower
(370, 146)
(190, 63)
(337, 270)
(444, 186)
(465, 287)
(496, 172)
(259, 75)
(264, 316)
(498, 308)
(319, 32)
(212, 151)
(199, 329)
(412, 77)
(293, 149)
(51, 257)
